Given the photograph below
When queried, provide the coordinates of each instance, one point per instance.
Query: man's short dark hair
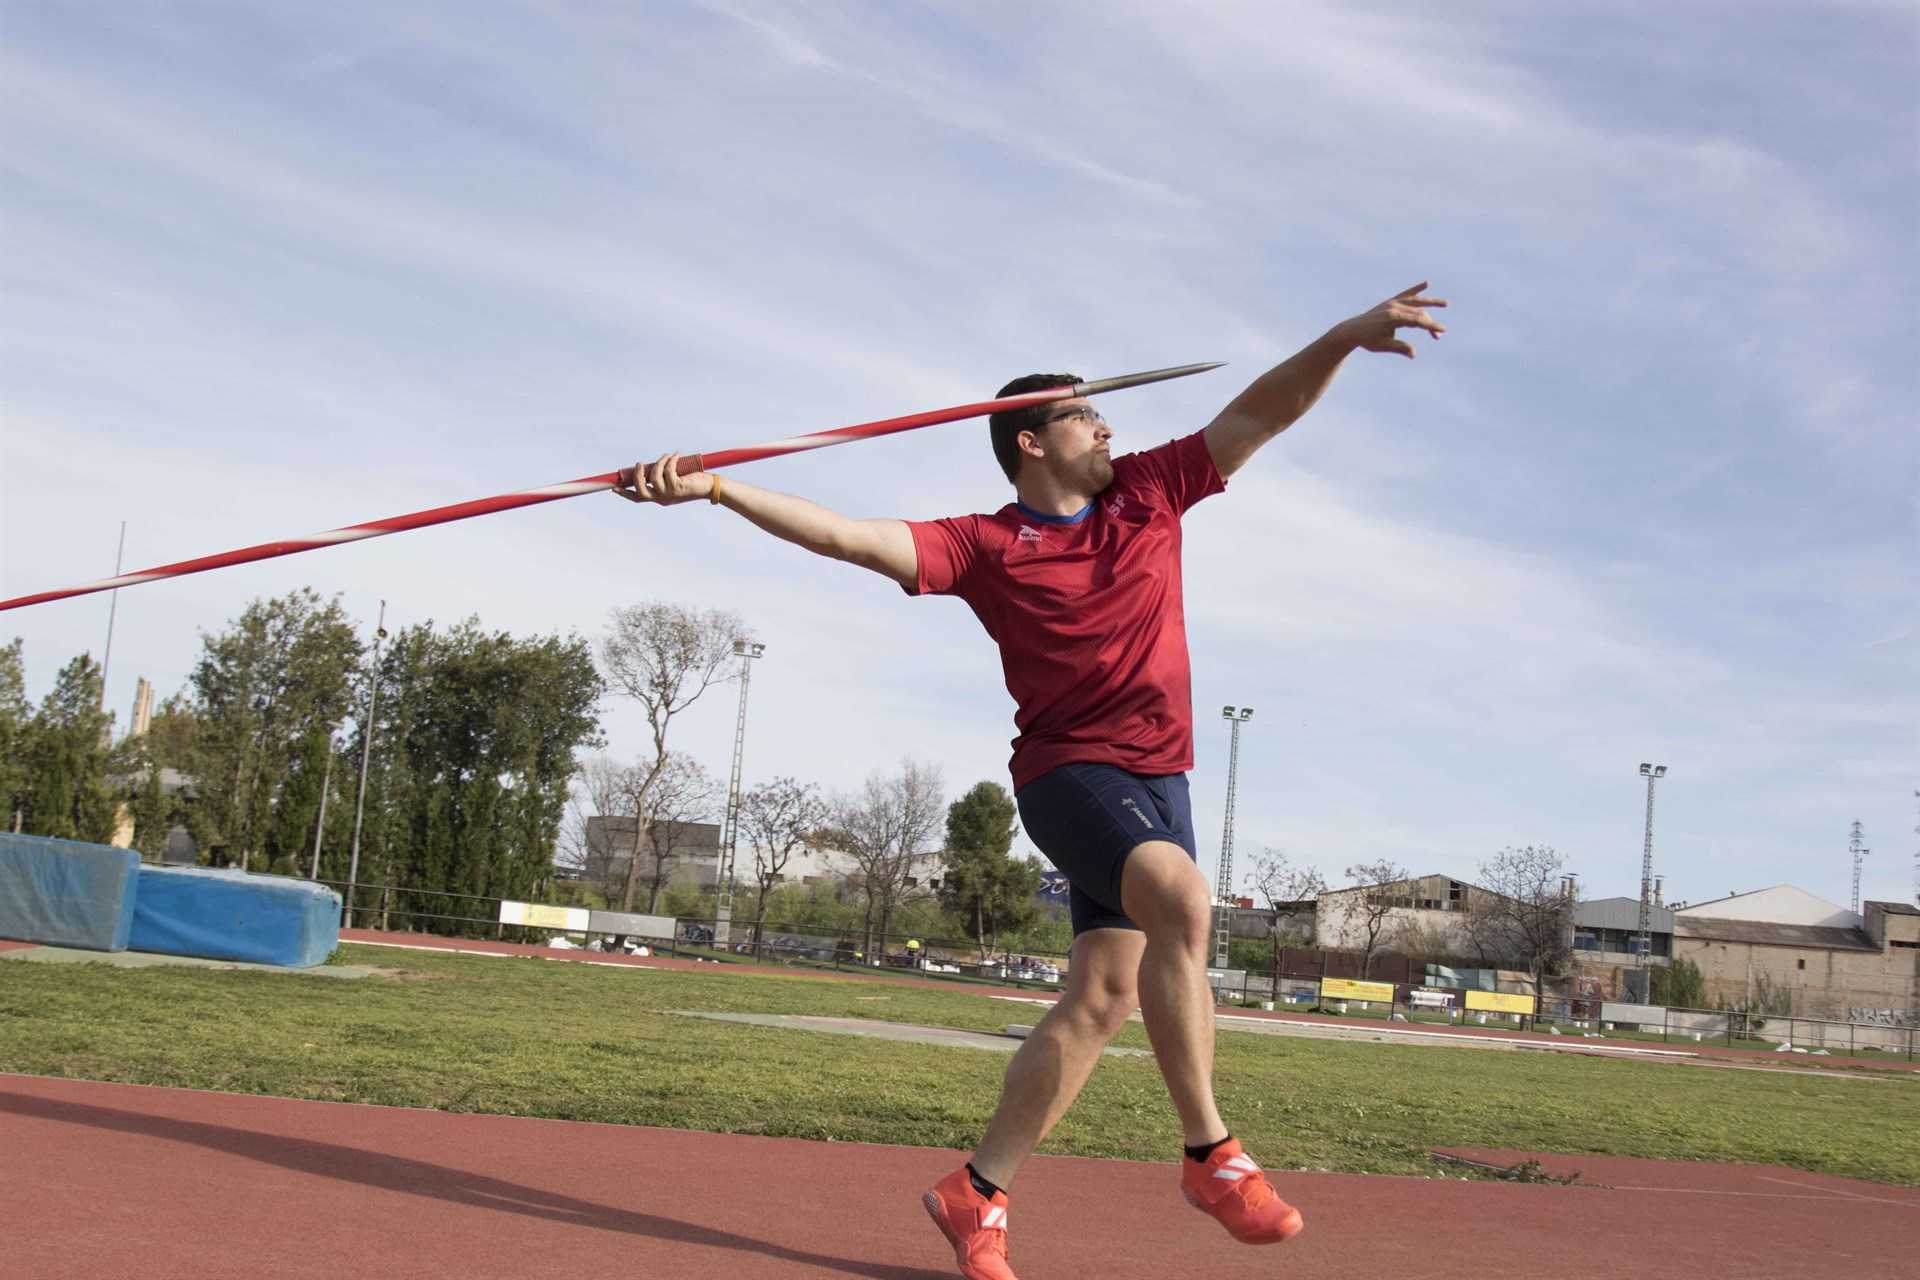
(1006, 426)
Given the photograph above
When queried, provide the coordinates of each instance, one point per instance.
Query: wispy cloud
(1652, 497)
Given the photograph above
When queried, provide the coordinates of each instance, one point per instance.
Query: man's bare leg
(1046, 1075)
(1163, 892)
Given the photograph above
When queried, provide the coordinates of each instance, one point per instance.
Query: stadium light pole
(1652, 773)
(320, 823)
(1223, 889)
(746, 651)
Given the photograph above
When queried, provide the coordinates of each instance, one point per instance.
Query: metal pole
(366, 749)
(113, 609)
(1651, 772)
(1223, 888)
(723, 878)
(1858, 851)
(320, 823)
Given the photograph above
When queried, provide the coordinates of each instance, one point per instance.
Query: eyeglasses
(1090, 414)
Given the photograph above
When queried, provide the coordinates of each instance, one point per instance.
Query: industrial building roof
(1895, 908)
(1620, 913)
(1764, 933)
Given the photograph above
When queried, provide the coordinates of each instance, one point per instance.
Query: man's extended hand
(662, 483)
(1376, 330)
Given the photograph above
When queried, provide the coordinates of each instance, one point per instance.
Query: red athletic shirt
(1087, 612)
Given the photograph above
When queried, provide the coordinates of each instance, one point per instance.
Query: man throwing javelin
(1078, 582)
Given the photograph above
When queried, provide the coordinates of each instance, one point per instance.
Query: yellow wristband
(713, 494)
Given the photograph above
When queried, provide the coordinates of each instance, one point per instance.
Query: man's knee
(1164, 893)
(1103, 983)
(1106, 1005)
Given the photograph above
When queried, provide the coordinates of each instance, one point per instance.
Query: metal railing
(776, 942)
(1414, 1003)
(959, 961)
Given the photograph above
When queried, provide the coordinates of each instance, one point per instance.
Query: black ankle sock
(980, 1184)
(1201, 1152)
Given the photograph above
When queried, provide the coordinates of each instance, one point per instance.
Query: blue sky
(274, 269)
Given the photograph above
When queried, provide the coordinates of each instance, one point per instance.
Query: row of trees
(474, 759)
(889, 833)
(1517, 915)
(473, 765)
(473, 750)
(665, 657)
(55, 766)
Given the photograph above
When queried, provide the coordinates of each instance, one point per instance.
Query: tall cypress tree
(16, 717)
(66, 788)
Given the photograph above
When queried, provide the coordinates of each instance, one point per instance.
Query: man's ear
(1030, 444)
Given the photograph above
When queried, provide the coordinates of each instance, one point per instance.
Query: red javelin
(593, 484)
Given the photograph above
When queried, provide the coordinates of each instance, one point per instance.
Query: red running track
(107, 1180)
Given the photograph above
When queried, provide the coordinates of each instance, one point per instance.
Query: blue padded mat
(66, 893)
(231, 915)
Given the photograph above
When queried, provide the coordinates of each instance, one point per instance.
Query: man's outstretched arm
(1281, 396)
(884, 546)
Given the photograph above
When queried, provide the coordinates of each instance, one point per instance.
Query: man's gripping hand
(661, 482)
(1376, 330)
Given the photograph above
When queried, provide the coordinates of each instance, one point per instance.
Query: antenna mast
(1859, 852)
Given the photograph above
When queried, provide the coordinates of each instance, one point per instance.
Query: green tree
(983, 889)
(66, 790)
(268, 694)
(475, 749)
(16, 715)
(1679, 985)
(813, 908)
(141, 768)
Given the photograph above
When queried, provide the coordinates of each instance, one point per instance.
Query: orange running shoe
(975, 1226)
(1229, 1188)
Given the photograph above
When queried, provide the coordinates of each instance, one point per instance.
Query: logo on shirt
(1029, 534)
(1117, 505)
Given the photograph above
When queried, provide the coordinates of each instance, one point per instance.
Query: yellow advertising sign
(548, 917)
(1347, 989)
(1499, 1002)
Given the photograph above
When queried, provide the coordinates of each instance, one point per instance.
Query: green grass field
(584, 1042)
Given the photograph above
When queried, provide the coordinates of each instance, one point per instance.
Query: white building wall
(1782, 904)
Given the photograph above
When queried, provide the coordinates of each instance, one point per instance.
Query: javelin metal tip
(1097, 385)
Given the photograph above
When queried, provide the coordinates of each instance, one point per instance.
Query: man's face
(1075, 438)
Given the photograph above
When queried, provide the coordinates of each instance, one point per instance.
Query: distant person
(1078, 582)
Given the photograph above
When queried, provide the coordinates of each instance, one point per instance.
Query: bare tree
(1283, 885)
(1383, 887)
(1532, 905)
(886, 829)
(1488, 928)
(779, 819)
(682, 794)
(598, 791)
(664, 656)
(1430, 942)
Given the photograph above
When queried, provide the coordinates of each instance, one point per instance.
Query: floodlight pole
(113, 611)
(320, 823)
(1652, 773)
(747, 651)
(366, 749)
(1223, 889)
